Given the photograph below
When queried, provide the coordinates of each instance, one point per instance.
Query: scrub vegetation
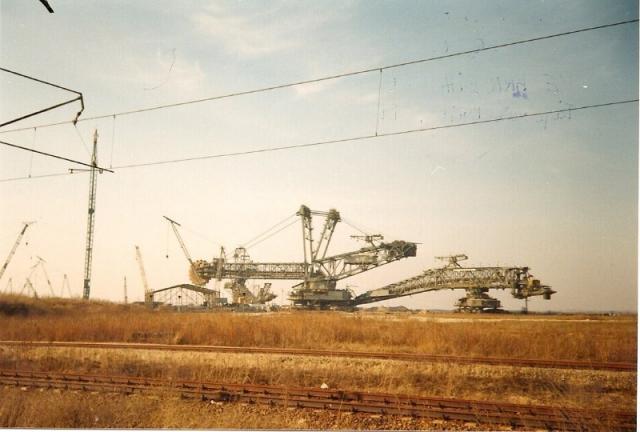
(567, 337)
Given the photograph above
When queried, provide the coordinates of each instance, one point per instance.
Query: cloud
(262, 32)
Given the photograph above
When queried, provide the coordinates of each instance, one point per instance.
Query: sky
(556, 192)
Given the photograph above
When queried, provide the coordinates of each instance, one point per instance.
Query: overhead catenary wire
(347, 139)
(39, 80)
(84, 144)
(333, 77)
(379, 100)
(113, 140)
(58, 105)
(52, 156)
(33, 146)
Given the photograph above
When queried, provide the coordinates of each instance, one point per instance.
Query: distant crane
(15, 246)
(28, 284)
(143, 275)
(41, 262)
(126, 300)
(65, 283)
(9, 287)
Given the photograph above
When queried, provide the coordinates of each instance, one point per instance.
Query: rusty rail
(517, 415)
(514, 362)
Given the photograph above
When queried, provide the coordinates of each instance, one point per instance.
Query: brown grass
(26, 409)
(566, 388)
(595, 338)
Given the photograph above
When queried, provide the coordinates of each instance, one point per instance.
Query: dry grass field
(576, 338)
(596, 338)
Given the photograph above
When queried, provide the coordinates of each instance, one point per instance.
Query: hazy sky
(557, 193)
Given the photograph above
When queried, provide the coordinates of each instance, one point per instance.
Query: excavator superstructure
(319, 273)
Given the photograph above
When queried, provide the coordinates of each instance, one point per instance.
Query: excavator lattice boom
(476, 281)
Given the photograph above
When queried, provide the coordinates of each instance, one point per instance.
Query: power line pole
(91, 218)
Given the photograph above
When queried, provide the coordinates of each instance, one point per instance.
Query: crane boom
(14, 248)
(175, 224)
(193, 274)
(143, 274)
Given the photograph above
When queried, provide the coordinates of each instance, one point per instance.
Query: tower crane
(143, 275)
(14, 248)
(88, 258)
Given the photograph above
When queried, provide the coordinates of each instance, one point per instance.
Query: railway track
(536, 363)
(483, 412)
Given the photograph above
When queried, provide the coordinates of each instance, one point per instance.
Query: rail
(435, 358)
(516, 415)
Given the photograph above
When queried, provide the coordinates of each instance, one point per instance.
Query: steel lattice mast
(91, 218)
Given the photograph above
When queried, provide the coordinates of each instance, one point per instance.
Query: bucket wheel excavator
(318, 272)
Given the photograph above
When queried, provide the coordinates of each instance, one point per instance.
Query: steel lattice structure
(476, 281)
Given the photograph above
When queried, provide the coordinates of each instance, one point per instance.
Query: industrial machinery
(476, 281)
(319, 273)
(197, 280)
(14, 248)
(239, 291)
